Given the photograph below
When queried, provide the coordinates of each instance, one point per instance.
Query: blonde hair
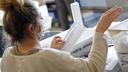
(7, 4)
(18, 14)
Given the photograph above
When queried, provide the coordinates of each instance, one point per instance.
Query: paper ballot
(72, 36)
(75, 8)
(76, 29)
(78, 39)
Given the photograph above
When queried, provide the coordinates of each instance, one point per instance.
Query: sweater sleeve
(96, 60)
(94, 63)
(98, 54)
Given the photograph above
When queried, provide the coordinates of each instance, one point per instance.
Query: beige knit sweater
(51, 60)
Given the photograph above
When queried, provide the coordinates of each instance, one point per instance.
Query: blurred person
(64, 10)
(22, 21)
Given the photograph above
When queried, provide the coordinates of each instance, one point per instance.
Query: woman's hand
(107, 18)
(57, 42)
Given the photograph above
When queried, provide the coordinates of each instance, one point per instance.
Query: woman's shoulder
(7, 50)
(7, 53)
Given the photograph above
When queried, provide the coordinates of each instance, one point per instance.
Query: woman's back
(46, 60)
(52, 60)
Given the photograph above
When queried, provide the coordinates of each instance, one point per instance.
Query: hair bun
(9, 4)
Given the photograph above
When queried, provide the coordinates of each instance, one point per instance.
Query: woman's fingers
(115, 12)
(56, 37)
(113, 15)
(107, 18)
(114, 9)
(112, 12)
(57, 42)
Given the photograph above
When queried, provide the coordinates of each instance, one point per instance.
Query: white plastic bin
(119, 34)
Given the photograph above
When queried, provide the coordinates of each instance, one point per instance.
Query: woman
(22, 22)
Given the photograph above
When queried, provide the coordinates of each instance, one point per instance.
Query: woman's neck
(28, 45)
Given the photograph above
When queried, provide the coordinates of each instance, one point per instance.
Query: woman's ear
(30, 28)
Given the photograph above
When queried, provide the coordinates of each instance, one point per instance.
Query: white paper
(76, 29)
(72, 36)
(76, 13)
(121, 26)
(44, 11)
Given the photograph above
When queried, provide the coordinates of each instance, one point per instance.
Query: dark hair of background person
(18, 14)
